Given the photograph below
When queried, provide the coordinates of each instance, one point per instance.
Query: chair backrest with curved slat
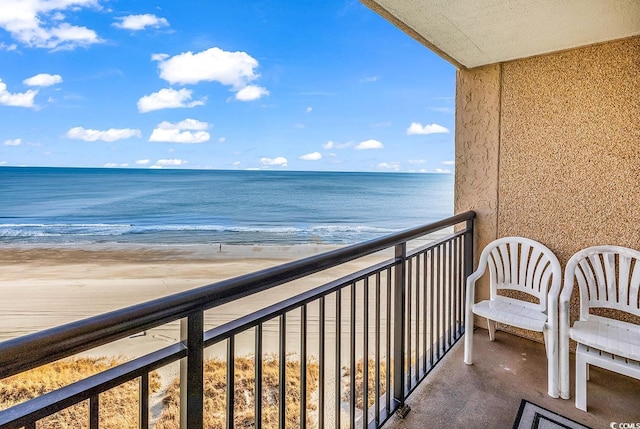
(607, 277)
(518, 263)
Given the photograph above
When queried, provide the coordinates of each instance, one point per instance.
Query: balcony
(397, 321)
(487, 394)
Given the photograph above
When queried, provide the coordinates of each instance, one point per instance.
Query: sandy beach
(45, 287)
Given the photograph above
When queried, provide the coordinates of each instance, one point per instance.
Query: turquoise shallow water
(76, 206)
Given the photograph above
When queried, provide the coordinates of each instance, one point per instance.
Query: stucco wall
(477, 149)
(565, 145)
(570, 148)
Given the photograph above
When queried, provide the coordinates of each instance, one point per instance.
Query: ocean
(75, 206)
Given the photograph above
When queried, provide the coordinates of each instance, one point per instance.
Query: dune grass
(371, 383)
(118, 406)
(215, 400)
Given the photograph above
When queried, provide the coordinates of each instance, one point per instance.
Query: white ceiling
(472, 33)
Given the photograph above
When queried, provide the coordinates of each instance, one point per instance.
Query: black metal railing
(373, 336)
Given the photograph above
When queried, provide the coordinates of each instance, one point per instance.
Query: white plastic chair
(518, 264)
(607, 277)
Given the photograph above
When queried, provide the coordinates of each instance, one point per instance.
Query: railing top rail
(30, 351)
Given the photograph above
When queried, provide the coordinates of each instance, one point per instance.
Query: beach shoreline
(46, 286)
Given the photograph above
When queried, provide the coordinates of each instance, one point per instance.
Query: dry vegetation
(371, 383)
(118, 406)
(215, 386)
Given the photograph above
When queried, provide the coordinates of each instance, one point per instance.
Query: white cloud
(251, 92)
(313, 156)
(18, 99)
(417, 161)
(143, 161)
(113, 165)
(222, 139)
(140, 22)
(13, 142)
(235, 69)
(5, 47)
(442, 171)
(110, 135)
(417, 128)
(281, 161)
(164, 162)
(333, 145)
(43, 79)
(38, 23)
(448, 163)
(187, 131)
(167, 98)
(369, 144)
(236, 163)
(395, 166)
(309, 109)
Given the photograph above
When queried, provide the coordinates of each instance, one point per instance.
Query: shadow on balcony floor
(487, 394)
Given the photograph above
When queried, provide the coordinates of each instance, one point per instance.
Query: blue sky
(280, 85)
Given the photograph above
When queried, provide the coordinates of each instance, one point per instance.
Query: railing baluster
(321, 361)
(417, 313)
(425, 314)
(461, 284)
(94, 412)
(303, 367)
(438, 303)
(388, 392)
(282, 374)
(377, 352)
(365, 354)
(257, 412)
(455, 279)
(338, 357)
(231, 381)
(449, 293)
(143, 404)
(191, 372)
(408, 314)
(432, 307)
(352, 357)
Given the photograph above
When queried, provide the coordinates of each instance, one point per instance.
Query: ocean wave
(69, 232)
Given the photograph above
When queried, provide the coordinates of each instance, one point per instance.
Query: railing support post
(468, 259)
(399, 316)
(191, 372)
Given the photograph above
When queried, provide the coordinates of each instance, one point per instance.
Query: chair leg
(468, 338)
(581, 382)
(551, 347)
(492, 329)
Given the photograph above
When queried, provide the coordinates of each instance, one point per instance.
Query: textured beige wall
(565, 143)
(477, 149)
(570, 148)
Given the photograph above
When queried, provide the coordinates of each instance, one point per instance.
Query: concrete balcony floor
(487, 394)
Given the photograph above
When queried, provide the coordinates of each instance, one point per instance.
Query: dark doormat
(532, 416)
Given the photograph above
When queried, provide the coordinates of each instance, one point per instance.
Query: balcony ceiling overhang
(472, 33)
